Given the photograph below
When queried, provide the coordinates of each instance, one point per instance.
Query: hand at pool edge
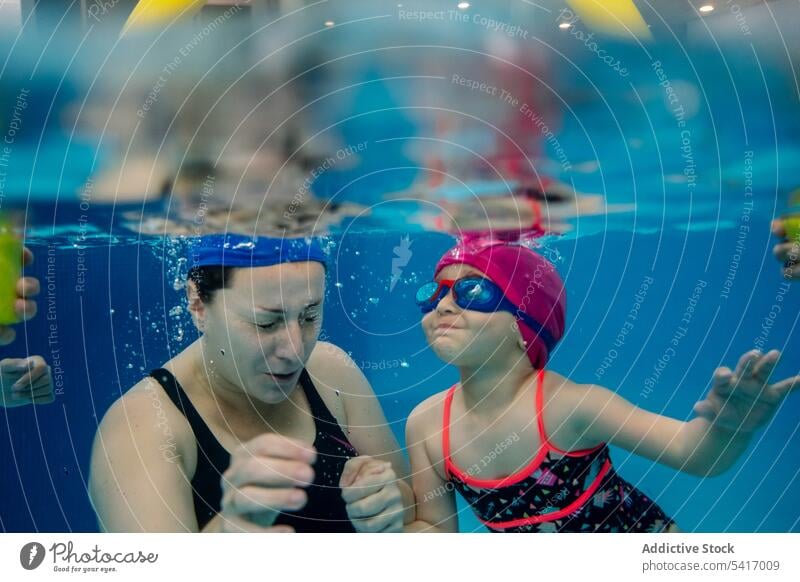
(370, 488)
(786, 251)
(25, 308)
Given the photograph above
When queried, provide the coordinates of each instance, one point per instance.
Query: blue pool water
(128, 318)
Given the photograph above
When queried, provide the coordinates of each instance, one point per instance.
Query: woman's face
(469, 338)
(261, 329)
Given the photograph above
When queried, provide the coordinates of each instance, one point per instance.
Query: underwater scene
(639, 161)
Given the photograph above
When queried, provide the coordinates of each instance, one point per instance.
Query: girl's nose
(447, 304)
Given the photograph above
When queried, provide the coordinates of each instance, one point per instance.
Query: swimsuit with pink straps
(559, 491)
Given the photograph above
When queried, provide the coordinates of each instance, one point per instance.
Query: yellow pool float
(150, 13)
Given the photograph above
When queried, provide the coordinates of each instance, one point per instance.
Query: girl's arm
(692, 447)
(739, 403)
(436, 504)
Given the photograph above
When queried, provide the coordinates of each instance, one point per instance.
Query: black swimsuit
(325, 510)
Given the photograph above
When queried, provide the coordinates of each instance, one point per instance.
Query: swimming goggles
(477, 294)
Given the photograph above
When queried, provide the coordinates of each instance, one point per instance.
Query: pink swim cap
(527, 279)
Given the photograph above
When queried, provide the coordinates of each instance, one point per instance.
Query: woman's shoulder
(145, 415)
(144, 401)
(333, 368)
(334, 377)
(326, 355)
(148, 398)
(135, 401)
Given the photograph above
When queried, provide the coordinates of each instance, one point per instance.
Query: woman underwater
(257, 425)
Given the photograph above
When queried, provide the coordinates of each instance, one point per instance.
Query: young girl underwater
(528, 448)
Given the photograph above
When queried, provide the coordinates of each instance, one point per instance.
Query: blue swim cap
(238, 250)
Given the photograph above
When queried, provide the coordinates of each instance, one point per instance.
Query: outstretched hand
(744, 400)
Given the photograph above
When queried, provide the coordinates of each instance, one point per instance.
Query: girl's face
(470, 338)
(260, 330)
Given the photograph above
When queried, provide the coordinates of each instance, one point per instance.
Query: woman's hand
(370, 490)
(787, 252)
(744, 401)
(266, 476)
(25, 308)
(25, 381)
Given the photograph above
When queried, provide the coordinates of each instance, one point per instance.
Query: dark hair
(210, 279)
